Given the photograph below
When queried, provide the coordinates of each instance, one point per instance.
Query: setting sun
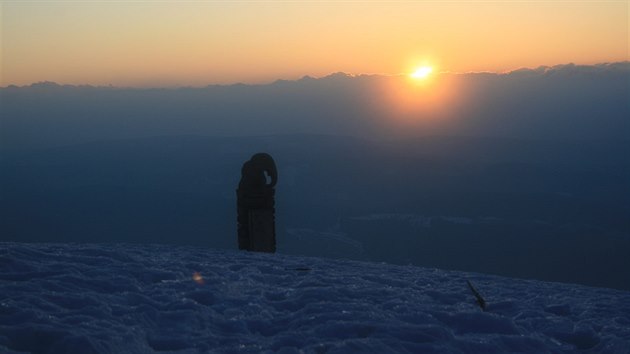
(422, 72)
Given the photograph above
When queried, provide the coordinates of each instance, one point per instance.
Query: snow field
(97, 298)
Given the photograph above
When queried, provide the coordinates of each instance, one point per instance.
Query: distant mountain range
(560, 102)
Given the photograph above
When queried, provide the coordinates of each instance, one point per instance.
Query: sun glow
(422, 72)
(422, 97)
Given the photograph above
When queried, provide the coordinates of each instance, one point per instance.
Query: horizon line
(543, 68)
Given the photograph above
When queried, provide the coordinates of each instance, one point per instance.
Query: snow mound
(77, 298)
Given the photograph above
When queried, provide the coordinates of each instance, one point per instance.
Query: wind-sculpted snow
(70, 298)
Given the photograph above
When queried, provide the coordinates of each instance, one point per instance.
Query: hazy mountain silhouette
(561, 102)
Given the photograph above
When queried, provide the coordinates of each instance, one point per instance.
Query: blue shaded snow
(78, 298)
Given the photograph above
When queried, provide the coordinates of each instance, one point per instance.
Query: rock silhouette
(256, 204)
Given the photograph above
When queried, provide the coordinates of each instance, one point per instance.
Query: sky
(195, 43)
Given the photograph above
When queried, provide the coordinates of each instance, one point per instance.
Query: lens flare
(198, 278)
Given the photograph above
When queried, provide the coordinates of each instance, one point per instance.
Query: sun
(422, 72)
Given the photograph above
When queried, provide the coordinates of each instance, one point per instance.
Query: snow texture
(78, 298)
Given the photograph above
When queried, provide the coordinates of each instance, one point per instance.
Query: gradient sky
(181, 43)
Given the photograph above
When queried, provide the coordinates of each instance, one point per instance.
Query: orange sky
(182, 43)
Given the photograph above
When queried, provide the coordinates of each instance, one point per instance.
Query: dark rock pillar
(256, 204)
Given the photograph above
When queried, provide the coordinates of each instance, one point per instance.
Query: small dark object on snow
(299, 269)
(256, 204)
(480, 301)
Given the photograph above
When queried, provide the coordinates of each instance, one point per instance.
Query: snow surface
(78, 298)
